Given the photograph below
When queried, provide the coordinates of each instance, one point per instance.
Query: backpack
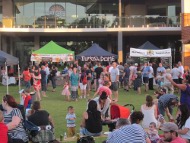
(87, 139)
(84, 80)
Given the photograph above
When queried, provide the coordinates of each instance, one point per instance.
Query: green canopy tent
(52, 52)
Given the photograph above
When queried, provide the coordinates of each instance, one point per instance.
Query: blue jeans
(53, 82)
(27, 84)
(85, 132)
(161, 109)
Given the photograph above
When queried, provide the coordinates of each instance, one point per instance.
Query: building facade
(115, 25)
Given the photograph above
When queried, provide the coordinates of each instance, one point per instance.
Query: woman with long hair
(91, 121)
(183, 122)
(150, 112)
(37, 83)
(13, 119)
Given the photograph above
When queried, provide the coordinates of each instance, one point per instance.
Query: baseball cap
(169, 126)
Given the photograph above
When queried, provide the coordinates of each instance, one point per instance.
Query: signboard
(150, 53)
(52, 57)
(96, 58)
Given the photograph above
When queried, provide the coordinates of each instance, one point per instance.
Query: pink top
(178, 140)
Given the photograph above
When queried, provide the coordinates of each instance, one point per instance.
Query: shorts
(82, 86)
(114, 86)
(176, 81)
(126, 81)
(145, 79)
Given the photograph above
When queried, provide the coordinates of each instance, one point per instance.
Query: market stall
(150, 50)
(52, 52)
(9, 60)
(96, 53)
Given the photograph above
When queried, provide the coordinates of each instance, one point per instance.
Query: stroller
(118, 111)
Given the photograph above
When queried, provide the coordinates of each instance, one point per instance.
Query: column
(120, 13)
(36, 42)
(120, 46)
(185, 24)
(4, 44)
(7, 12)
(109, 46)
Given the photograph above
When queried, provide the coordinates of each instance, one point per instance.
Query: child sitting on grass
(153, 133)
(71, 117)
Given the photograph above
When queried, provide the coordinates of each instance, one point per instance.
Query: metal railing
(92, 22)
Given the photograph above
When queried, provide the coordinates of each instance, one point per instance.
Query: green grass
(57, 107)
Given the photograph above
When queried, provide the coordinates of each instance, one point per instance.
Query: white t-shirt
(151, 72)
(175, 73)
(187, 125)
(181, 70)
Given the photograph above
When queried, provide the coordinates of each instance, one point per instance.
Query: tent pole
(19, 79)
(7, 77)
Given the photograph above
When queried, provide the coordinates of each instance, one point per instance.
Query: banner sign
(52, 57)
(96, 58)
(150, 53)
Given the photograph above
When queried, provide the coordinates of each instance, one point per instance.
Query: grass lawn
(57, 107)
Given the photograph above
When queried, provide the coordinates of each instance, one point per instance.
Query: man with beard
(171, 133)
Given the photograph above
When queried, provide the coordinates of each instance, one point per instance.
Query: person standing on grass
(47, 73)
(89, 79)
(71, 118)
(146, 72)
(181, 70)
(37, 83)
(151, 77)
(53, 77)
(121, 71)
(43, 81)
(98, 71)
(74, 81)
(126, 77)
(83, 83)
(27, 77)
(114, 76)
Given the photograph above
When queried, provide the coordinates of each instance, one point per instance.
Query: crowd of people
(105, 80)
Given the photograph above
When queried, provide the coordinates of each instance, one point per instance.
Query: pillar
(185, 24)
(120, 46)
(7, 12)
(120, 13)
(36, 42)
(4, 44)
(109, 46)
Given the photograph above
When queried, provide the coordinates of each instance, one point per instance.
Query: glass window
(39, 14)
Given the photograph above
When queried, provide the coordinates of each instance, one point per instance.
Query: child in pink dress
(66, 91)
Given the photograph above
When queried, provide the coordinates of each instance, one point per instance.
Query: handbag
(87, 139)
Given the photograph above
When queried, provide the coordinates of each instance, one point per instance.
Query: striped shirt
(166, 99)
(19, 131)
(128, 134)
(70, 123)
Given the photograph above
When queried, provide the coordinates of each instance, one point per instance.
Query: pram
(116, 112)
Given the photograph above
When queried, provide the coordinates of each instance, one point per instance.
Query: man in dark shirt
(89, 79)
(43, 81)
(126, 77)
(98, 71)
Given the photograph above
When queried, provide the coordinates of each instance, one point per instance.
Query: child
(3, 130)
(153, 133)
(101, 81)
(66, 91)
(26, 98)
(71, 117)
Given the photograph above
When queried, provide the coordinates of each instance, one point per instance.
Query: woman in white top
(103, 104)
(183, 122)
(150, 112)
